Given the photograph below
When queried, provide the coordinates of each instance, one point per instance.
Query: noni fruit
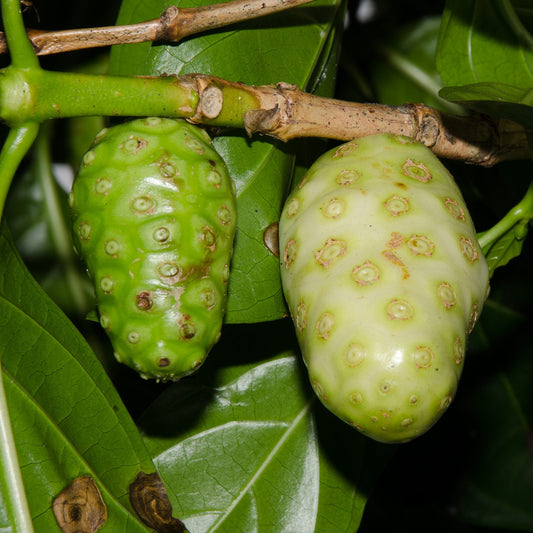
(384, 279)
(154, 219)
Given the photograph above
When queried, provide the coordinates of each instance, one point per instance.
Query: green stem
(18, 142)
(522, 211)
(11, 485)
(20, 48)
(59, 231)
(38, 95)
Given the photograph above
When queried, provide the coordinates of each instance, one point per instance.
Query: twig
(173, 25)
(286, 112)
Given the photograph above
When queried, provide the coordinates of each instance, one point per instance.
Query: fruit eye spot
(208, 298)
(292, 207)
(214, 178)
(330, 251)
(301, 316)
(104, 321)
(454, 209)
(100, 135)
(289, 255)
(356, 398)
(446, 295)
(445, 403)
(187, 331)
(345, 149)
(102, 185)
(420, 245)
(168, 270)
(468, 250)
(224, 215)
(207, 237)
(161, 234)
(472, 319)
(319, 390)
(133, 145)
(347, 176)
(324, 325)
(133, 337)
(413, 400)
(88, 158)
(225, 273)
(84, 231)
(112, 247)
(399, 310)
(418, 171)
(142, 204)
(459, 351)
(167, 170)
(354, 355)
(396, 205)
(163, 362)
(423, 357)
(195, 145)
(106, 284)
(385, 387)
(152, 121)
(366, 274)
(333, 208)
(143, 301)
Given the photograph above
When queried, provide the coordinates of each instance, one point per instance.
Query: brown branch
(285, 112)
(172, 26)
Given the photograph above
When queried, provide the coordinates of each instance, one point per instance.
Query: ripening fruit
(384, 279)
(154, 219)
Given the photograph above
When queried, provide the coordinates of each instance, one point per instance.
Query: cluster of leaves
(243, 445)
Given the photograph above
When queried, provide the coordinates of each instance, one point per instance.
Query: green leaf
(293, 46)
(408, 72)
(486, 41)
(507, 247)
(495, 99)
(496, 487)
(253, 450)
(67, 417)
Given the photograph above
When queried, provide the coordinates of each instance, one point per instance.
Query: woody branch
(173, 25)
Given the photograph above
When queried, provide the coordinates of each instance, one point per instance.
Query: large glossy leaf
(67, 417)
(496, 488)
(495, 99)
(252, 450)
(408, 72)
(294, 47)
(486, 41)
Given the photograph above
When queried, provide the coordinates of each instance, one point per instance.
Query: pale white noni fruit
(384, 279)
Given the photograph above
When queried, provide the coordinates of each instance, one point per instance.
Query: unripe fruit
(154, 218)
(384, 279)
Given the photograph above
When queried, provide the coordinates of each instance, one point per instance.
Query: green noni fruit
(154, 218)
(384, 279)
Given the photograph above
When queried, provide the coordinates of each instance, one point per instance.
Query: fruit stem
(57, 225)
(38, 95)
(18, 142)
(521, 212)
(20, 48)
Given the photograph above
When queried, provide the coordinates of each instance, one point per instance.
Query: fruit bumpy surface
(384, 279)
(154, 218)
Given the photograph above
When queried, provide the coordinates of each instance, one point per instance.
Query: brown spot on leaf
(80, 508)
(271, 239)
(149, 499)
